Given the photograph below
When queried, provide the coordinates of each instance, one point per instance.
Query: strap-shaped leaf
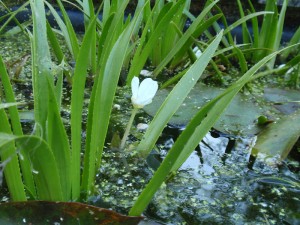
(44, 168)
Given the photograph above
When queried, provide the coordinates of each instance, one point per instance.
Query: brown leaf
(44, 212)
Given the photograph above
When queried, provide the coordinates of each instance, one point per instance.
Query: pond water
(220, 183)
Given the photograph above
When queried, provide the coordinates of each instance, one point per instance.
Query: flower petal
(145, 93)
(135, 82)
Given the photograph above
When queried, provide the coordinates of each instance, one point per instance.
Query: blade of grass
(88, 9)
(294, 40)
(202, 27)
(266, 35)
(77, 98)
(242, 60)
(58, 142)
(170, 36)
(10, 162)
(183, 39)
(104, 96)
(13, 16)
(156, 53)
(255, 27)
(66, 27)
(245, 31)
(41, 66)
(44, 168)
(244, 19)
(16, 125)
(278, 35)
(17, 29)
(113, 33)
(54, 43)
(146, 45)
(57, 50)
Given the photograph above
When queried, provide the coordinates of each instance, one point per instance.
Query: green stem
(133, 113)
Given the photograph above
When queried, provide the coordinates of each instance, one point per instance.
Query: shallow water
(216, 185)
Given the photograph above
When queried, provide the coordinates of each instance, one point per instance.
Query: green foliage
(267, 38)
(15, 186)
(44, 167)
(12, 16)
(192, 134)
(154, 34)
(48, 163)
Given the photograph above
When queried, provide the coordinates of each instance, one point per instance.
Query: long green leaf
(77, 99)
(108, 42)
(255, 27)
(59, 143)
(267, 35)
(44, 168)
(89, 14)
(278, 35)
(294, 40)
(11, 164)
(245, 31)
(66, 28)
(170, 36)
(104, 96)
(16, 125)
(41, 66)
(113, 33)
(244, 19)
(54, 43)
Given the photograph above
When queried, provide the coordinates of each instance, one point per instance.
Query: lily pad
(69, 213)
(240, 118)
(285, 100)
(277, 139)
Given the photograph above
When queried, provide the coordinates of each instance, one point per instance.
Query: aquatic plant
(47, 164)
(142, 94)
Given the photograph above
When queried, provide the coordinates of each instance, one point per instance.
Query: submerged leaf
(286, 101)
(239, 118)
(279, 138)
(44, 212)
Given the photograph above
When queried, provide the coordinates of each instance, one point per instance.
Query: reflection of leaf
(43, 212)
(239, 118)
(279, 138)
(279, 181)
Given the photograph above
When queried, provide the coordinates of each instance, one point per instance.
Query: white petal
(135, 82)
(147, 90)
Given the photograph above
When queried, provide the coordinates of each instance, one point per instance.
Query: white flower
(142, 94)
